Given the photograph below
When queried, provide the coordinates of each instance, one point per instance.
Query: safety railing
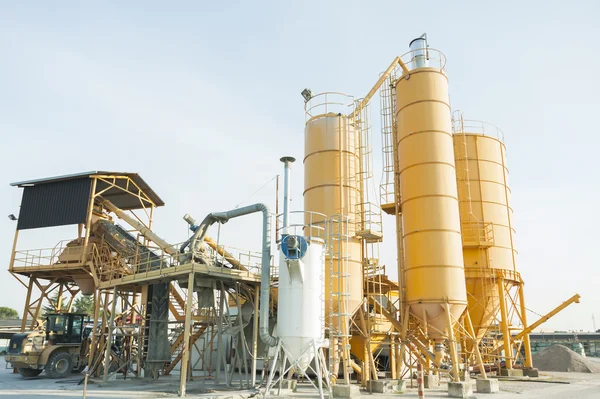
(466, 126)
(369, 224)
(328, 103)
(490, 272)
(310, 225)
(61, 254)
(424, 58)
(477, 234)
(150, 258)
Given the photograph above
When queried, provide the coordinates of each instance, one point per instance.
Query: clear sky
(202, 98)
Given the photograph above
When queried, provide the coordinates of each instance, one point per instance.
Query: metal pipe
(149, 234)
(287, 162)
(265, 282)
(211, 243)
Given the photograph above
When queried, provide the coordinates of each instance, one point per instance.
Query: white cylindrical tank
(300, 307)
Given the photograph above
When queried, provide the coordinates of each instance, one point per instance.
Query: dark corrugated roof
(57, 204)
(118, 197)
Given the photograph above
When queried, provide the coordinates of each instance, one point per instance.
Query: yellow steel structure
(433, 264)
(331, 165)
(487, 231)
(486, 218)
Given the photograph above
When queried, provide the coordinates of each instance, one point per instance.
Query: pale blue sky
(202, 98)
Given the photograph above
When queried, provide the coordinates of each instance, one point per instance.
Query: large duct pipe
(287, 162)
(211, 243)
(265, 282)
(149, 234)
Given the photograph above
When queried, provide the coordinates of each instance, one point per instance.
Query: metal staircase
(178, 345)
(176, 302)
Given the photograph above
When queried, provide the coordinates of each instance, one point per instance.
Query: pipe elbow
(267, 339)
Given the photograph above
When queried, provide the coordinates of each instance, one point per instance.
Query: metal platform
(170, 273)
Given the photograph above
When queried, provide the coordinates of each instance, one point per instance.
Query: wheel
(29, 372)
(59, 365)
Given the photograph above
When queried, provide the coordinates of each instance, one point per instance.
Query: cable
(254, 193)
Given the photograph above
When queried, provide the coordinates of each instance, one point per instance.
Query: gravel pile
(561, 358)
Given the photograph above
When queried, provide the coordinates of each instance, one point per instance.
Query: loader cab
(64, 328)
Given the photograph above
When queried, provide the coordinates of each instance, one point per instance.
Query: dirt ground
(580, 386)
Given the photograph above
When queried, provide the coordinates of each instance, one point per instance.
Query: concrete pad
(460, 390)
(532, 372)
(488, 386)
(511, 373)
(431, 380)
(345, 391)
(280, 392)
(382, 386)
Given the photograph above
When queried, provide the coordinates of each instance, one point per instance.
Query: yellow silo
(331, 166)
(486, 219)
(433, 262)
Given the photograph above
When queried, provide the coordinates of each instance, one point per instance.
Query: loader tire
(59, 365)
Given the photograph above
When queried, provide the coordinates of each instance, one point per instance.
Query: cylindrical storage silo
(486, 217)
(331, 166)
(434, 271)
(300, 306)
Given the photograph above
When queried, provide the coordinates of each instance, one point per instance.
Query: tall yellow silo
(433, 262)
(331, 167)
(486, 220)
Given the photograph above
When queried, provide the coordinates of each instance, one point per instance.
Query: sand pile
(561, 358)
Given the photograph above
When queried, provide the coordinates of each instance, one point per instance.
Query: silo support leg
(504, 323)
(403, 332)
(526, 342)
(475, 345)
(452, 344)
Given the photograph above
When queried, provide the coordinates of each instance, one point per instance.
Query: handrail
(472, 126)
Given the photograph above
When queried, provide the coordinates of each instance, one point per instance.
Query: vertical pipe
(255, 335)
(185, 360)
(287, 162)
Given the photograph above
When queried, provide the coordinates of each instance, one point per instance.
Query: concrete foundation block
(532, 372)
(382, 386)
(511, 372)
(460, 390)
(488, 386)
(431, 380)
(345, 391)
(376, 386)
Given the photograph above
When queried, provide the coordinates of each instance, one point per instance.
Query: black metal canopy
(64, 200)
